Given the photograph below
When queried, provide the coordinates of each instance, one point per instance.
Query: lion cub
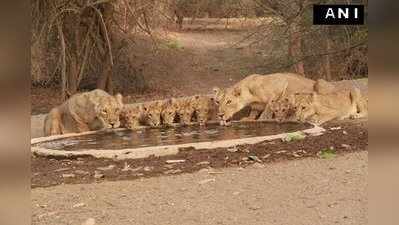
(324, 104)
(140, 114)
(152, 112)
(133, 115)
(281, 110)
(169, 111)
(186, 110)
(205, 108)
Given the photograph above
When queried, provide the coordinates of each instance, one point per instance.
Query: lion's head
(131, 115)
(229, 102)
(107, 110)
(186, 110)
(169, 112)
(153, 113)
(303, 105)
(204, 107)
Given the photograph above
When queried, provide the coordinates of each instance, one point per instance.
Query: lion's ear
(237, 91)
(119, 98)
(216, 91)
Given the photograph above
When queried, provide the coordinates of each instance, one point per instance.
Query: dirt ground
(351, 136)
(300, 192)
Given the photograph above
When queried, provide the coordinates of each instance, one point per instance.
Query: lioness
(86, 111)
(257, 91)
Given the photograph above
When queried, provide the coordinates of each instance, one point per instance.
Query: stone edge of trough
(136, 153)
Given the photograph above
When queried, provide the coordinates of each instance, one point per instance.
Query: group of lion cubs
(184, 110)
(275, 97)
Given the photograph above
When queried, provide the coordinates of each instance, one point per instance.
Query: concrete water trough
(141, 143)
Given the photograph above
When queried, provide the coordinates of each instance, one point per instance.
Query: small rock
(41, 206)
(347, 147)
(244, 158)
(258, 165)
(81, 172)
(203, 163)
(215, 172)
(254, 207)
(344, 132)
(281, 152)
(80, 162)
(204, 170)
(266, 156)
(90, 221)
(296, 155)
(173, 171)
(335, 128)
(148, 168)
(168, 166)
(106, 168)
(61, 169)
(206, 181)
(232, 149)
(98, 175)
(46, 215)
(236, 193)
(254, 158)
(299, 153)
(78, 205)
(245, 150)
(175, 161)
(68, 175)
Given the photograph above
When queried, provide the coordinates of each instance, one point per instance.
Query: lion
(327, 102)
(205, 108)
(257, 91)
(280, 110)
(185, 110)
(330, 100)
(133, 116)
(152, 112)
(169, 111)
(82, 112)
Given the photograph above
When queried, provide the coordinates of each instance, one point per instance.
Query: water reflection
(170, 135)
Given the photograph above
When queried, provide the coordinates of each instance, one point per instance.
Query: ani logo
(338, 14)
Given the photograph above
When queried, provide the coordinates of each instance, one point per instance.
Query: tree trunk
(295, 48)
(327, 62)
(105, 79)
(72, 78)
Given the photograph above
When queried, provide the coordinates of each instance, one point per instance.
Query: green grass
(174, 44)
(327, 153)
(295, 136)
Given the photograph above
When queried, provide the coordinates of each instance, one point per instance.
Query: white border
(144, 152)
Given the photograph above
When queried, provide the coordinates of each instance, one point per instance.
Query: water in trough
(122, 139)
